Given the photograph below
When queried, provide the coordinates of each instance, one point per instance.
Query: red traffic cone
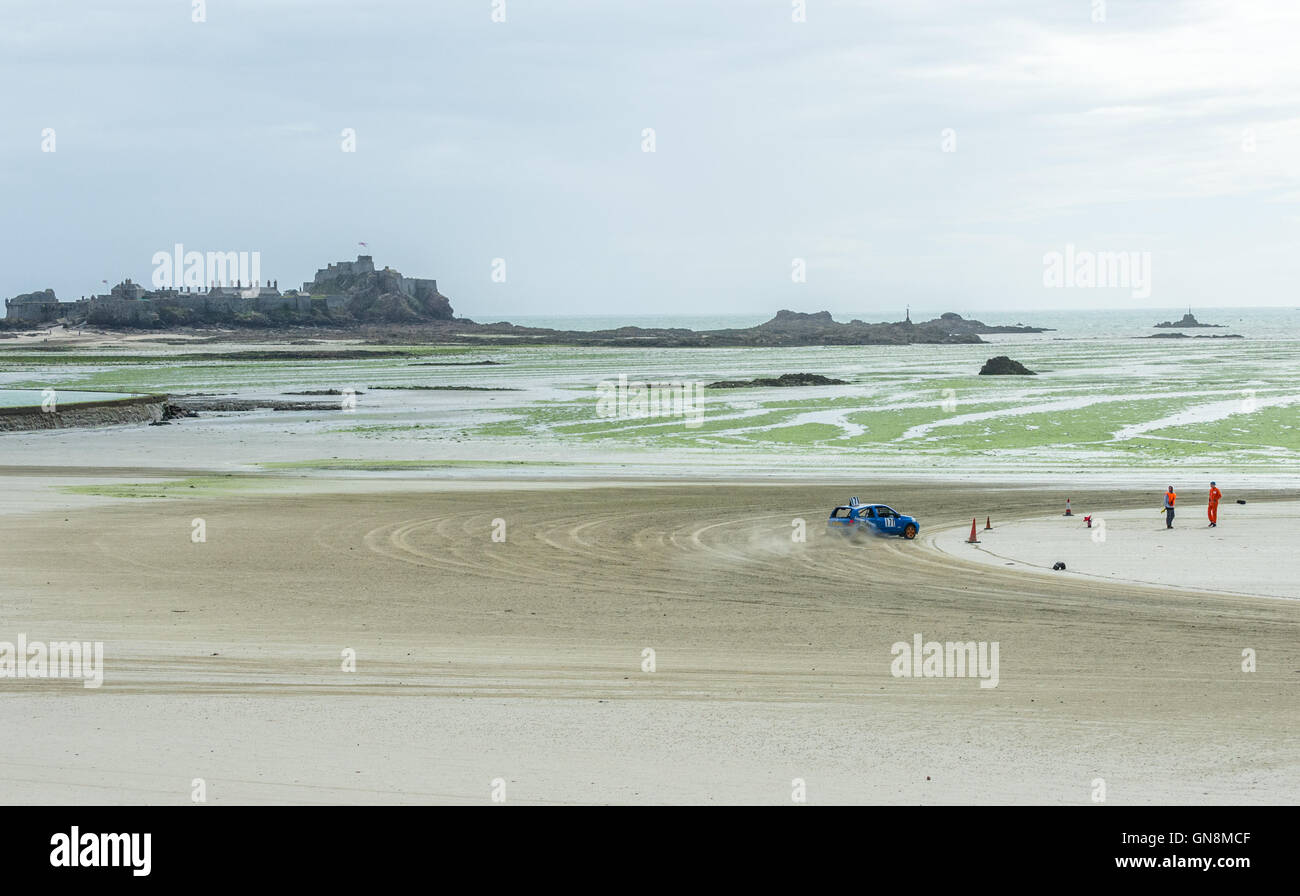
(1068, 511)
(988, 523)
(972, 539)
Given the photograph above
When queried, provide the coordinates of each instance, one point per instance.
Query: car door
(886, 520)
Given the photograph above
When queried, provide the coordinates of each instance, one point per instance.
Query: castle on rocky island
(342, 292)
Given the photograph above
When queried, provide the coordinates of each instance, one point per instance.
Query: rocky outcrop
(787, 328)
(44, 296)
(388, 297)
(380, 296)
(1187, 322)
(784, 380)
(176, 412)
(1004, 366)
(955, 323)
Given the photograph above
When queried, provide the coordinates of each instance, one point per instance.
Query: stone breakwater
(136, 409)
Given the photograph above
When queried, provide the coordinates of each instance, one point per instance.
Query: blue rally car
(879, 519)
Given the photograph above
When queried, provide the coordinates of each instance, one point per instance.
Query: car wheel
(910, 531)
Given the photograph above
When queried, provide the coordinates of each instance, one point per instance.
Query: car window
(839, 513)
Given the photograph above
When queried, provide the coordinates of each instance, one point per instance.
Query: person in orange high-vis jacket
(1170, 498)
(1215, 495)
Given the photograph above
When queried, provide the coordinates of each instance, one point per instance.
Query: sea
(1251, 323)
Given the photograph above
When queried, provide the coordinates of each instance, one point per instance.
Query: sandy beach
(481, 404)
(443, 591)
(1247, 553)
(524, 659)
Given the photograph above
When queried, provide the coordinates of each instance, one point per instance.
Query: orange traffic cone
(972, 539)
(1068, 511)
(988, 523)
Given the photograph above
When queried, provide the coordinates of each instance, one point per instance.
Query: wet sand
(522, 660)
(1250, 552)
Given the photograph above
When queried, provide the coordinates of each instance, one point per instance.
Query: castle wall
(220, 301)
(363, 265)
(273, 302)
(35, 312)
(132, 311)
(414, 285)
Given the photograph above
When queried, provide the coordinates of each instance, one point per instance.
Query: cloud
(1151, 131)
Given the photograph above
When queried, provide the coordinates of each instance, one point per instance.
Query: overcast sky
(1171, 128)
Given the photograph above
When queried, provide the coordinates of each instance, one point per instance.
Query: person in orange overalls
(1215, 495)
(1170, 498)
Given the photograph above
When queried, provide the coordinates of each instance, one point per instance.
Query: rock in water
(1187, 320)
(1004, 366)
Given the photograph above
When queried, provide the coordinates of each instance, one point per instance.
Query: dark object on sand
(1239, 501)
(1058, 565)
(1004, 366)
(785, 379)
(175, 412)
(322, 392)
